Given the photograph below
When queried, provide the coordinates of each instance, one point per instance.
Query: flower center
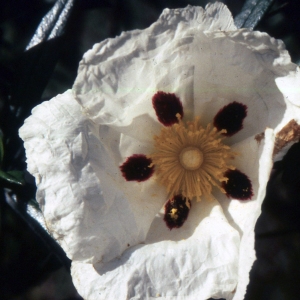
(191, 158)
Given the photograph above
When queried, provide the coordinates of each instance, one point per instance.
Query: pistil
(191, 158)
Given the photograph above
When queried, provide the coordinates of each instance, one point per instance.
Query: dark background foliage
(32, 265)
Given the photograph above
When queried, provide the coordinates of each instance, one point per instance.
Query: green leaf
(252, 12)
(34, 203)
(16, 177)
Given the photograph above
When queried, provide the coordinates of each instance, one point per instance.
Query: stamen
(189, 159)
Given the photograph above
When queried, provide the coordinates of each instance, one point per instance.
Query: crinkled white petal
(163, 268)
(206, 67)
(255, 160)
(118, 77)
(289, 86)
(88, 207)
(196, 262)
(242, 66)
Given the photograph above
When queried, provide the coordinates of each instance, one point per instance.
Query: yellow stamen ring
(190, 159)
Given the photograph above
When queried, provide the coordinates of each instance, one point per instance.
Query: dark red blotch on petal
(136, 168)
(178, 203)
(166, 106)
(231, 118)
(238, 186)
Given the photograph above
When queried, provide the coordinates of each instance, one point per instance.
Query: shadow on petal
(142, 128)
(159, 232)
(175, 266)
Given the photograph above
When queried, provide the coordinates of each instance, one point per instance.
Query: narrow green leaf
(34, 203)
(16, 177)
(252, 12)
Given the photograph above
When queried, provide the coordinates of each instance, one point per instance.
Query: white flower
(112, 228)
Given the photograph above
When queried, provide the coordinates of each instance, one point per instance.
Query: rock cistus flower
(151, 172)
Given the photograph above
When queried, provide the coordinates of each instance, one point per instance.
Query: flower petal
(241, 66)
(256, 160)
(88, 206)
(194, 263)
(153, 57)
(289, 86)
(206, 70)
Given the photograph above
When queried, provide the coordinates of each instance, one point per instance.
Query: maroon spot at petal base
(231, 118)
(179, 203)
(166, 106)
(136, 168)
(238, 186)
